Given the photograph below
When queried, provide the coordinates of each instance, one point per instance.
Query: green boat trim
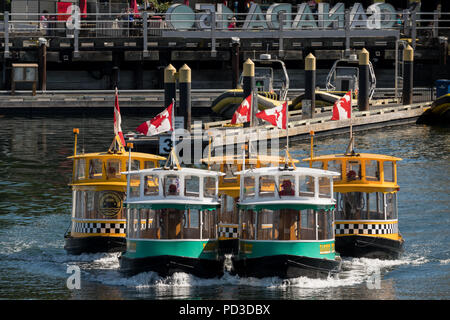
(281, 205)
(323, 249)
(191, 248)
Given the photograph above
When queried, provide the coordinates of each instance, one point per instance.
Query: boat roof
(276, 171)
(184, 171)
(356, 156)
(118, 154)
(231, 159)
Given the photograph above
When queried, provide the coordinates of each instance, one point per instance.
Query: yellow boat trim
(364, 222)
(392, 236)
(84, 235)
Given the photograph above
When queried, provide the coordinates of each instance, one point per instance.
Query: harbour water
(35, 204)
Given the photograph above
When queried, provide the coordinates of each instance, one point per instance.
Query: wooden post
(42, 65)
(408, 65)
(248, 82)
(309, 103)
(169, 85)
(235, 44)
(363, 85)
(185, 95)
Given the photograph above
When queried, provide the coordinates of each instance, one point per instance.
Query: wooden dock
(299, 129)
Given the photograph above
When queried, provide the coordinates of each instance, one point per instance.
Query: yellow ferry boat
(98, 192)
(229, 190)
(366, 222)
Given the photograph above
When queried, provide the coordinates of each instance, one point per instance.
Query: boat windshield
(171, 223)
(366, 206)
(287, 224)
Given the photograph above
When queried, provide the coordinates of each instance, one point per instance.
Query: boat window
(149, 164)
(336, 166)
(308, 225)
(148, 224)
(79, 211)
(286, 224)
(171, 223)
(215, 167)
(353, 170)
(191, 186)
(230, 175)
(267, 186)
(388, 169)
(306, 184)
(171, 185)
(91, 198)
(287, 186)
(352, 205)
(135, 165)
(249, 187)
(151, 185)
(112, 168)
(317, 164)
(191, 223)
(133, 223)
(80, 169)
(325, 224)
(209, 221)
(372, 170)
(247, 224)
(95, 169)
(324, 187)
(209, 187)
(228, 210)
(391, 206)
(265, 224)
(375, 207)
(135, 185)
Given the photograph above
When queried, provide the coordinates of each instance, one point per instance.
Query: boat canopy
(360, 172)
(295, 188)
(104, 168)
(181, 188)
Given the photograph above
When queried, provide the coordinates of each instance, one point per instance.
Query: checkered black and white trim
(366, 228)
(99, 227)
(228, 232)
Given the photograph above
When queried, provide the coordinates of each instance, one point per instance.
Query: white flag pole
(173, 132)
(351, 126)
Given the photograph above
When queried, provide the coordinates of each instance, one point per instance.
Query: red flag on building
(134, 8)
(83, 8)
(276, 116)
(161, 123)
(118, 120)
(243, 112)
(342, 108)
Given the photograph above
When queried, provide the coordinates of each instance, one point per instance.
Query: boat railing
(193, 185)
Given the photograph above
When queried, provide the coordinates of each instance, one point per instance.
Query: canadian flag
(118, 120)
(161, 123)
(342, 108)
(276, 116)
(243, 112)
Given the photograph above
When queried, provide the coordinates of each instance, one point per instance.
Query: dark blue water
(35, 203)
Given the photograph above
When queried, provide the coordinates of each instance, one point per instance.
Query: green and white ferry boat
(171, 222)
(286, 223)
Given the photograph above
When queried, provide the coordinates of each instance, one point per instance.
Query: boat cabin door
(264, 79)
(346, 78)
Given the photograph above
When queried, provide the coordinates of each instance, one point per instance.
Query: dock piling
(309, 103)
(248, 83)
(364, 81)
(169, 85)
(42, 54)
(185, 95)
(408, 65)
(235, 44)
